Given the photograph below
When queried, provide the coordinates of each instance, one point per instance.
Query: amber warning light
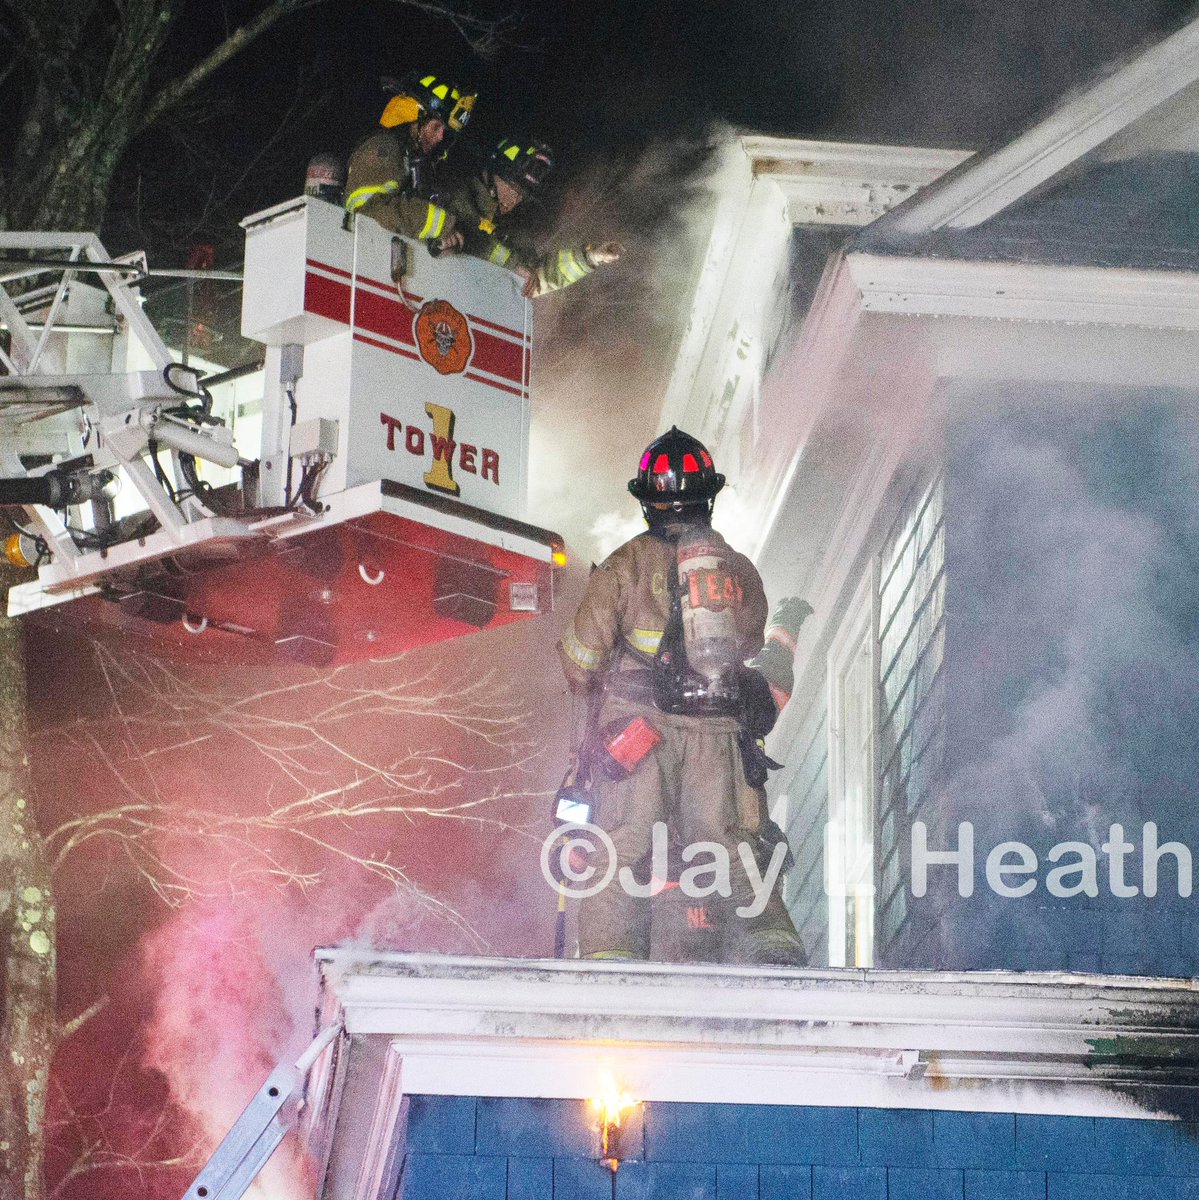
(612, 1103)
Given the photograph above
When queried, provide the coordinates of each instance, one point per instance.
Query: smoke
(943, 73)
(1071, 671)
(234, 995)
(604, 347)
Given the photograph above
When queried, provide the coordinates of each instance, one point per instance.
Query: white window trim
(991, 1041)
(859, 624)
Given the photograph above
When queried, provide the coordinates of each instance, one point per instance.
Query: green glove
(789, 615)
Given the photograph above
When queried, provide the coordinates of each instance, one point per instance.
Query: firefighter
(390, 174)
(515, 173)
(703, 771)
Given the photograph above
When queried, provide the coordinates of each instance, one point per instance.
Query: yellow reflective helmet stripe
(499, 255)
(434, 223)
(644, 640)
(359, 196)
(581, 655)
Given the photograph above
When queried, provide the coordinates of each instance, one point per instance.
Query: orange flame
(611, 1103)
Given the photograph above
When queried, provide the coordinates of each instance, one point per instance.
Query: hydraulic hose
(17, 493)
(55, 489)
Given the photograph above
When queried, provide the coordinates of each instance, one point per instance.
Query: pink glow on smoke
(233, 995)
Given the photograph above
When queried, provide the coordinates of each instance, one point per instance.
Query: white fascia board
(917, 165)
(732, 185)
(981, 189)
(998, 1041)
(1026, 291)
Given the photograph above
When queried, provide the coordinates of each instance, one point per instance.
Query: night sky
(609, 82)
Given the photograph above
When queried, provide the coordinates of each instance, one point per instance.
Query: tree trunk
(29, 1029)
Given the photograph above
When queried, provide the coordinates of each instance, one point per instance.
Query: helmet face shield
(400, 110)
(537, 166)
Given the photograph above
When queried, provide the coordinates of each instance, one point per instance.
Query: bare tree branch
(76, 1023)
(485, 35)
(92, 1130)
(331, 778)
(182, 87)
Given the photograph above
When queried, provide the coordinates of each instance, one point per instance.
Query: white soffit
(985, 187)
(763, 186)
(1026, 291)
(994, 1041)
(842, 183)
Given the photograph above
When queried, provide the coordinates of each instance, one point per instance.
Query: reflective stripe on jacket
(378, 185)
(477, 212)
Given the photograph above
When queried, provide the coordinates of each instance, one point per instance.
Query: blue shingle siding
(698, 1132)
(900, 1138)
(1005, 1185)
(1055, 1143)
(849, 1183)
(824, 1136)
(535, 1128)
(517, 1149)
(924, 1183)
(804, 781)
(1120, 1187)
(454, 1177)
(1131, 1147)
(784, 1183)
(442, 1124)
(1186, 1153)
(581, 1179)
(740, 1181)
(530, 1178)
(974, 1139)
(667, 1181)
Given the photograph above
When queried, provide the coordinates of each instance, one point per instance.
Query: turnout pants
(693, 781)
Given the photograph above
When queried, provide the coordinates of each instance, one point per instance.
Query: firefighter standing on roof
(390, 174)
(699, 774)
(515, 174)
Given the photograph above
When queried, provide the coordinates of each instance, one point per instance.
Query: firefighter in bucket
(672, 717)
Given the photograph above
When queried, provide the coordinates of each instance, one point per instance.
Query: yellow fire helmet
(427, 96)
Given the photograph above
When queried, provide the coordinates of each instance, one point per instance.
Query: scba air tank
(710, 598)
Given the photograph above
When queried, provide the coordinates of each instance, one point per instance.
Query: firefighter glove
(604, 253)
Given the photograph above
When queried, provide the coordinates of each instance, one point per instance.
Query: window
(911, 703)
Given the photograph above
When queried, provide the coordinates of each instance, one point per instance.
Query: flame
(611, 1103)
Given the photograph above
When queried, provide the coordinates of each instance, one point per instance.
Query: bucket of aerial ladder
(385, 495)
